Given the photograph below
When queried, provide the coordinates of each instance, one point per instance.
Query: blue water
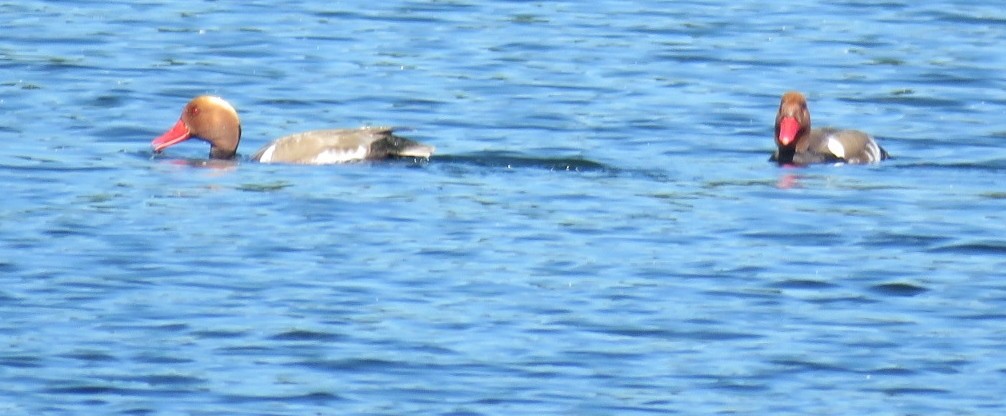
(600, 232)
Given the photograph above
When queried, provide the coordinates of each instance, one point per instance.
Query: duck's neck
(228, 148)
(221, 153)
(784, 155)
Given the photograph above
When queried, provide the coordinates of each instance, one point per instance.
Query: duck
(798, 144)
(214, 120)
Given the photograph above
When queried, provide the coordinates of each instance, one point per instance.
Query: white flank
(874, 151)
(836, 148)
(267, 154)
(341, 155)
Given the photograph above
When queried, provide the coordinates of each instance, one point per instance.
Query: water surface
(599, 233)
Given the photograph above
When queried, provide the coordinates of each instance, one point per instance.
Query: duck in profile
(798, 144)
(214, 120)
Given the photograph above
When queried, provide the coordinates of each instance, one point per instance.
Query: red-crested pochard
(214, 120)
(798, 144)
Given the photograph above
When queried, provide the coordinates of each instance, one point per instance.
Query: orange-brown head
(206, 118)
(793, 120)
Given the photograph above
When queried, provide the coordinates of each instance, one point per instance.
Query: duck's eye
(193, 111)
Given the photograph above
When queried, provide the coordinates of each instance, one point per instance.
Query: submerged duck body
(214, 120)
(340, 146)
